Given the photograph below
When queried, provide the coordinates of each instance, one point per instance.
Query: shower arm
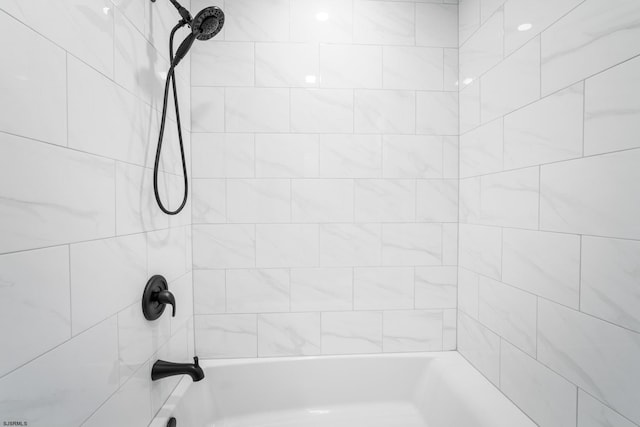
(184, 13)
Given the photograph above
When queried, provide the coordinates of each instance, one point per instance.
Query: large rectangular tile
(352, 332)
(224, 246)
(118, 264)
(609, 283)
(593, 413)
(383, 288)
(257, 21)
(436, 25)
(612, 109)
(509, 312)
(256, 290)
(481, 150)
(258, 200)
(208, 109)
(167, 253)
(322, 110)
(597, 356)
(413, 68)
(546, 131)
(468, 283)
(286, 155)
(350, 244)
(350, 66)
(437, 113)
(287, 65)
(412, 244)
(350, 156)
(35, 299)
(546, 264)
(209, 291)
(289, 334)
(481, 249)
(34, 77)
(208, 201)
(287, 245)
(469, 18)
(328, 21)
(383, 22)
(594, 195)
(414, 330)
(593, 37)
(513, 83)
(321, 289)
(479, 346)
(227, 335)
(385, 111)
(542, 394)
(483, 50)
(437, 200)
(223, 64)
(384, 200)
(412, 156)
(322, 200)
(52, 195)
(256, 110)
(436, 287)
(85, 375)
(223, 155)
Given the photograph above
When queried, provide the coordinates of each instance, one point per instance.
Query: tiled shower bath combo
(320, 213)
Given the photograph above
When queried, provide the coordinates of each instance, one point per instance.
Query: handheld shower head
(207, 23)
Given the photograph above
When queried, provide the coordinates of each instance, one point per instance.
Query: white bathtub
(389, 390)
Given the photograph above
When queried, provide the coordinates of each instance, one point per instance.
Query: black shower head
(207, 23)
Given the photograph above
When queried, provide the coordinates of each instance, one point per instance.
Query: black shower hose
(170, 79)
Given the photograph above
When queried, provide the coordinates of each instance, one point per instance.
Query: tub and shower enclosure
(398, 212)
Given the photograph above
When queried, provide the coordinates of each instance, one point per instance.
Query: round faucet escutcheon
(155, 298)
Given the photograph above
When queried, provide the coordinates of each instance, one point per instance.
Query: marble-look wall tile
(436, 287)
(350, 156)
(289, 334)
(449, 329)
(436, 25)
(322, 200)
(479, 346)
(287, 65)
(52, 195)
(258, 200)
(321, 289)
(469, 19)
(223, 64)
(451, 70)
(576, 196)
(322, 110)
(468, 288)
(286, 155)
(509, 312)
(352, 332)
(469, 105)
(538, 15)
(481, 150)
(513, 83)
(437, 113)
(483, 50)
(450, 243)
(412, 244)
(612, 109)
(208, 109)
(256, 109)
(489, 7)
(597, 356)
(412, 156)
(118, 264)
(609, 280)
(208, 201)
(224, 246)
(35, 73)
(223, 155)
(413, 68)
(350, 66)
(437, 200)
(378, 200)
(385, 111)
(306, 27)
(209, 291)
(545, 396)
(383, 288)
(579, 44)
(383, 22)
(481, 249)
(350, 245)
(256, 291)
(546, 131)
(167, 253)
(287, 245)
(248, 20)
(43, 312)
(85, 375)
(592, 413)
(545, 264)
(416, 330)
(227, 335)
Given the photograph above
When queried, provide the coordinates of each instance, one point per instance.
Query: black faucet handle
(166, 297)
(195, 361)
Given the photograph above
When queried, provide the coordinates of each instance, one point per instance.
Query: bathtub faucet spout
(163, 369)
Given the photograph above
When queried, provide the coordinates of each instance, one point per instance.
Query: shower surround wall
(549, 288)
(81, 86)
(325, 178)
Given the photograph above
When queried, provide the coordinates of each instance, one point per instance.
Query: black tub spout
(163, 369)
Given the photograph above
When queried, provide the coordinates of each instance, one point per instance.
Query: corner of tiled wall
(549, 229)
(325, 160)
(81, 86)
